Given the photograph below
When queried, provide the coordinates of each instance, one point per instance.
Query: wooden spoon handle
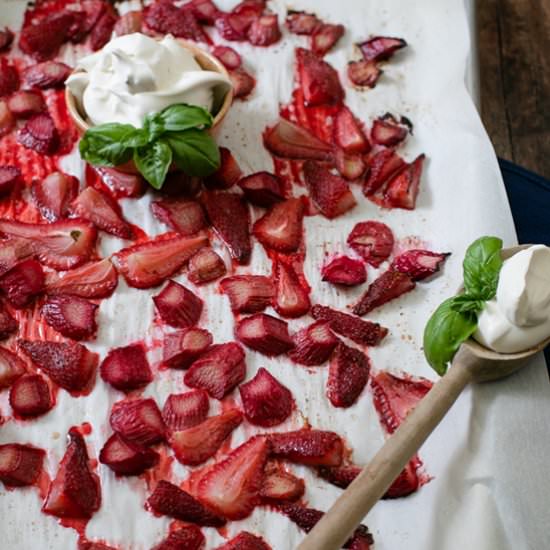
(337, 525)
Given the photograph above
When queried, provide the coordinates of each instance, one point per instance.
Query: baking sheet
(488, 456)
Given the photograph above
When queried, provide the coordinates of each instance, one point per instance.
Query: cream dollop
(518, 318)
(135, 75)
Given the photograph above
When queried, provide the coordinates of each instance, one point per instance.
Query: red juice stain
(163, 470)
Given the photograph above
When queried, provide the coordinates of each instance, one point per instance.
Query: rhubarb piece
(72, 316)
(23, 104)
(165, 18)
(389, 286)
(43, 39)
(39, 134)
(20, 465)
(418, 264)
(181, 348)
(344, 270)
(75, 491)
(129, 23)
(11, 368)
(245, 541)
(288, 140)
(248, 293)
(385, 165)
(30, 396)
(388, 131)
(126, 368)
(324, 37)
(126, 458)
(178, 306)
(184, 216)
(138, 421)
(53, 194)
(348, 133)
(262, 189)
(301, 22)
(188, 537)
(313, 344)
(403, 189)
(280, 228)
(372, 240)
(22, 283)
(123, 184)
(9, 79)
(7, 120)
(330, 193)
(264, 31)
(169, 500)
(70, 365)
(363, 73)
(195, 445)
(243, 83)
(228, 56)
(205, 11)
(218, 371)
(185, 410)
(281, 486)
(340, 476)
(49, 74)
(232, 487)
(102, 31)
(306, 446)
(291, 298)
(266, 401)
(350, 167)
(265, 334)
(318, 80)
(227, 175)
(10, 178)
(380, 48)
(6, 39)
(8, 324)
(148, 264)
(205, 266)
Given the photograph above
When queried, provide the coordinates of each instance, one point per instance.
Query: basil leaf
(482, 264)
(153, 127)
(105, 144)
(177, 118)
(195, 152)
(465, 303)
(444, 333)
(136, 138)
(153, 162)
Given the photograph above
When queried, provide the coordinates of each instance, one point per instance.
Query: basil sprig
(455, 320)
(176, 134)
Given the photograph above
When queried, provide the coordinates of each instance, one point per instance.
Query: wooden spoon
(472, 363)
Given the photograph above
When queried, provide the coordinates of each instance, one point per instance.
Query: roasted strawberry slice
(11, 368)
(205, 266)
(9, 79)
(122, 184)
(380, 48)
(165, 18)
(330, 193)
(6, 39)
(340, 476)
(205, 11)
(344, 270)
(313, 344)
(184, 216)
(22, 283)
(129, 23)
(8, 324)
(360, 331)
(348, 134)
(301, 22)
(84, 544)
(181, 348)
(245, 541)
(126, 368)
(48, 74)
(291, 297)
(53, 194)
(24, 104)
(43, 39)
(248, 293)
(178, 306)
(386, 287)
(219, 370)
(72, 316)
(126, 458)
(148, 264)
(264, 31)
(388, 131)
(262, 189)
(265, 334)
(185, 410)
(266, 401)
(70, 365)
(228, 56)
(13, 251)
(234, 25)
(372, 240)
(10, 178)
(243, 83)
(7, 120)
(169, 500)
(39, 134)
(318, 80)
(403, 189)
(385, 165)
(227, 175)
(325, 36)
(20, 465)
(30, 396)
(138, 421)
(188, 537)
(350, 167)
(310, 447)
(418, 264)
(281, 227)
(363, 73)
(197, 444)
(102, 31)
(281, 486)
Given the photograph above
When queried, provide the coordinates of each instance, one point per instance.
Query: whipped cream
(135, 75)
(518, 318)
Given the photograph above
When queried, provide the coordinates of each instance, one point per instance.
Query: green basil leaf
(137, 138)
(153, 162)
(153, 127)
(482, 264)
(177, 118)
(464, 303)
(195, 152)
(105, 144)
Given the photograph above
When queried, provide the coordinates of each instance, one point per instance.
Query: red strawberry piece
(182, 347)
(382, 168)
(228, 56)
(380, 48)
(92, 280)
(138, 421)
(126, 458)
(230, 216)
(129, 23)
(70, 365)
(341, 476)
(23, 104)
(281, 486)
(264, 31)
(347, 376)
(266, 401)
(248, 293)
(243, 82)
(20, 465)
(178, 306)
(388, 131)
(84, 544)
(123, 184)
(403, 188)
(205, 11)
(364, 73)
(407, 482)
(219, 370)
(195, 445)
(181, 215)
(348, 133)
(227, 175)
(23, 283)
(350, 167)
(318, 80)
(149, 263)
(325, 36)
(262, 189)
(185, 410)
(232, 487)
(72, 316)
(102, 31)
(75, 492)
(7, 120)
(291, 298)
(53, 194)
(6, 39)
(372, 240)
(245, 541)
(313, 344)
(169, 500)
(205, 266)
(92, 12)
(188, 537)
(300, 22)
(39, 134)
(418, 264)
(231, 27)
(165, 18)
(9, 79)
(11, 368)
(288, 140)
(310, 447)
(126, 368)
(12, 251)
(10, 178)
(265, 334)
(344, 270)
(280, 228)
(388, 286)
(43, 39)
(330, 193)
(30, 396)
(360, 331)
(48, 74)
(8, 325)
